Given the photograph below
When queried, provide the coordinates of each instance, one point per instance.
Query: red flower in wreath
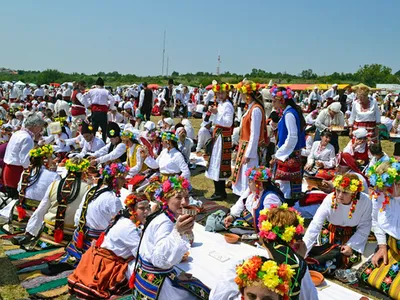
(150, 277)
(368, 271)
(388, 280)
(345, 182)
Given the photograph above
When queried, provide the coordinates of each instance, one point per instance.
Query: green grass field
(11, 290)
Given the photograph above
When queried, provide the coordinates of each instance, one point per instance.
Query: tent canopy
(19, 83)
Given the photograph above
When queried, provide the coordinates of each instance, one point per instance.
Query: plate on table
(316, 277)
(337, 128)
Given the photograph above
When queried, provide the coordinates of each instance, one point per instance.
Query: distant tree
(175, 74)
(397, 73)
(375, 73)
(308, 74)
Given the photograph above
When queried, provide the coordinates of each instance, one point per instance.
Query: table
(209, 270)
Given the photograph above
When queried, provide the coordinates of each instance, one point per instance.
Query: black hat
(87, 128)
(113, 130)
(100, 81)
(170, 81)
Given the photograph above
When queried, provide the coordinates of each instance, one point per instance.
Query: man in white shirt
(146, 101)
(330, 94)
(13, 93)
(66, 95)
(91, 143)
(100, 101)
(16, 157)
(61, 105)
(26, 93)
(314, 99)
(203, 135)
(38, 94)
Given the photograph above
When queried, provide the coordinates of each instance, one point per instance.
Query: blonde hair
(281, 217)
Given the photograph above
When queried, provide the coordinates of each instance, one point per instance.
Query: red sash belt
(77, 110)
(99, 108)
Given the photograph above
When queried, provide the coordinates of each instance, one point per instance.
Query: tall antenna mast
(163, 54)
(167, 65)
(219, 63)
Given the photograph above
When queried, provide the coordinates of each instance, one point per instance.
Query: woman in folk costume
(113, 151)
(219, 165)
(365, 114)
(164, 243)
(381, 271)
(261, 193)
(52, 223)
(99, 205)
(291, 139)
(339, 231)
(280, 230)
(252, 135)
(171, 161)
(32, 187)
(101, 271)
(358, 147)
(17, 158)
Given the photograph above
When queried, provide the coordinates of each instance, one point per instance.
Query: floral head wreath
(275, 92)
(43, 151)
(128, 135)
(387, 179)
(256, 270)
(130, 201)
(345, 184)
(258, 173)
(223, 87)
(169, 136)
(113, 171)
(287, 233)
(60, 119)
(247, 87)
(77, 168)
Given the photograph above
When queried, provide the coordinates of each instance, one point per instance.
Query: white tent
(19, 83)
(32, 85)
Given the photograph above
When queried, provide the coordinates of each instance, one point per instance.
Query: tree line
(367, 74)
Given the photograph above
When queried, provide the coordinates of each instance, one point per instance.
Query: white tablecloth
(197, 160)
(209, 269)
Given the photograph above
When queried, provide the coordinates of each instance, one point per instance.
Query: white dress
(164, 248)
(223, 118)
(340, 216)
(169, 162)
(251, 151)
(386, 221)
(326, 155)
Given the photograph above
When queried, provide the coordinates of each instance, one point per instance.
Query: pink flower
(185, 184)
(166, 186)
(273, 206)
(262, 218)
(299, 229)
(271, 236)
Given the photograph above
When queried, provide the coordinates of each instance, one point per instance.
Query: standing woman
(291, 139)
(219, 166)
(365, 114)
(252, 135)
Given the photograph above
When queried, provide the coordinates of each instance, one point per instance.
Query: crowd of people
(88, 171)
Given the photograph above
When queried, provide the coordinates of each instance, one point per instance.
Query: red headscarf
(346, 159)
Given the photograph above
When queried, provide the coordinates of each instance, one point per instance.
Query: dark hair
(311, 129)
(257, 97)
(59, 97)
(100, 81)
(274, 116)
(296, 107)
(144, 84)
(178, 126)
(326, 133)
(62, 114)
(270, 186)
(375, 149)
(170, 81)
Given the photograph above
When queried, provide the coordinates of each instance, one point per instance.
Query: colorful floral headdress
(169, 136)
(256, 270)
(113, 170)
(128, 135)
(131, 200)
(77, 168)
(287, 233)
(275, 92)
(43, 151)
(61, 120)
(258, 173)
(387, 179)
(247, 87)
(223, 87)
(345, 184)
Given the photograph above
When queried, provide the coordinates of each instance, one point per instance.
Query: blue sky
(127, 36)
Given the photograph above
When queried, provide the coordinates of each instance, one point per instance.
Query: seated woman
(97, 208)
(164, 243)
(339, 231)
(381, 271)
(134, 159)
(280, 229)
(261, 193)
(101, 272)
(52, 223)
(358, 147)
(321, 161)
(32, 187)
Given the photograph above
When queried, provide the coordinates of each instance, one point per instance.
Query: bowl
(185, 256)
(316, 277)
(231, 238)
(190, 210)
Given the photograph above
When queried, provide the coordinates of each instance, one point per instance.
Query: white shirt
(26, 92)
(123, 238)
(256, 120)
(141, 99)
(61, 105)
(169, 162)
(100, 210)
(324, 119)
(39, 92)
(202, 137)
(310, 120)
(235, 136)
(309, 142)
(200, 108)
(329, 94)
(290, 143)
(103, 156)
(326, 155)
(209, 98)
(93, 146)
(17, 151)
(186, 148)
(251, 203)
(37, 190)
(372, 114)
(98, 96)
(67, 92)
(117, 118)
(315, 96)
(361, 219)
(386, 221)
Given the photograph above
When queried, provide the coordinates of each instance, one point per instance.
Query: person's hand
(326, 186)
(300, 247)
(308, 167)
(144, 152)
(272, 162)
(346, 250)
(199, 153)
(351, 132)
(93, 162)
(381, 254)
(228, 221)
(184, 224)
(213, 109)
(319, 164)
